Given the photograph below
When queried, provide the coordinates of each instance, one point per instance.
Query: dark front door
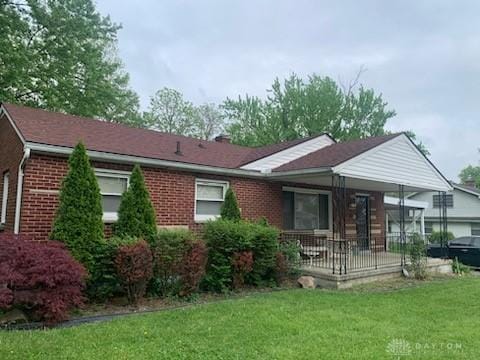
(363, 221)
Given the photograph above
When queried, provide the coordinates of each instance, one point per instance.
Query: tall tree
(61, 55)
(78, 221)
(296, 108)
(421, 146)
(171, 113)
(470, 173)
(208, 121)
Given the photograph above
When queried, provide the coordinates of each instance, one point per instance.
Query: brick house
(307, 186)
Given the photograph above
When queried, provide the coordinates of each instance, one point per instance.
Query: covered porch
(353, 239)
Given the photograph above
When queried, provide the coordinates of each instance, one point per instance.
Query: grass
(439, 319)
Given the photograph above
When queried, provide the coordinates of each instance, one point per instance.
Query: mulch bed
(117, 308)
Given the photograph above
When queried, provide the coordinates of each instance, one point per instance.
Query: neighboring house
(313, 185)
(463, 210)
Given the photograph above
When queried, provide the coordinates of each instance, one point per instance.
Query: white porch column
(422, 222)
(414, 220)
(386, 229)
(386, 222)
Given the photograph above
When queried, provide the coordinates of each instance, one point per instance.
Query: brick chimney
(222, 138)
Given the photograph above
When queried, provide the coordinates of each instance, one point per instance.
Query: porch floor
(364, 261)
(325, 277)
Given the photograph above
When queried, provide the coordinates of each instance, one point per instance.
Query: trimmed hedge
(134, 268)
(168, 248)
(179, 261)
(192, 267)
(225, 238)
(103, 282)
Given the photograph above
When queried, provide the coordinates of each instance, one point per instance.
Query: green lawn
(291, 324)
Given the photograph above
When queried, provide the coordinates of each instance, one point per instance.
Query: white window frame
(6, 181)
(203, 218)
(314, 192)
(111, 217)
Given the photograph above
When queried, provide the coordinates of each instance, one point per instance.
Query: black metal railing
(342, 256)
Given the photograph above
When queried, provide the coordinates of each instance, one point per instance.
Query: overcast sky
(423, 56)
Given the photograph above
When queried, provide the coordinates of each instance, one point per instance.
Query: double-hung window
(112, 184)
(6, 177)
(209, 197)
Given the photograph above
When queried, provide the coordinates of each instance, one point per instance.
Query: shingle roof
(335, 154)
(52, 128)
(466, 188)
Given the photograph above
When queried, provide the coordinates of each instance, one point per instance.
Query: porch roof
(324, 178)
(383, 167)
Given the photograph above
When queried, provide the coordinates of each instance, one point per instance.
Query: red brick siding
(377, 215)
(172, 193)
(42, 179)
(258, 199)
(11, 153)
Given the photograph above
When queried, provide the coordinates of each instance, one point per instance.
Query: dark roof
(53, 128)
(335, 154)
(466, 188)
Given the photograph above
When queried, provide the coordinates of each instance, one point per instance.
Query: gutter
(18, 204)
(129, 159)
(265, 174)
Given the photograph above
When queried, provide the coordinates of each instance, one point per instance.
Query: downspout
(18, 204)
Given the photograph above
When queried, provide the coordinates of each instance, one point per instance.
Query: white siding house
(463, 210)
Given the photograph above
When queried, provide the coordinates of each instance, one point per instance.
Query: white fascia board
(294, 152)
(466, 190)
(129, 159)
(342, 169)
(118, 158)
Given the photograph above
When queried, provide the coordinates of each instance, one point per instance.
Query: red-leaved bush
(134, 267)
(192, 267)
(40, 278)
(242, 263)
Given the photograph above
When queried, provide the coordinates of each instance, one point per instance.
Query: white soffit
(294, 152)
(414, 204)
(396, 161)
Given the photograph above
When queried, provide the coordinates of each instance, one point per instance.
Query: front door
(363, 221)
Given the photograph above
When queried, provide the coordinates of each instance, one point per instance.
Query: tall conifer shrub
(136, 215)
(230, 209)
(78, 221)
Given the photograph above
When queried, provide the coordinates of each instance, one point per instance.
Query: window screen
(448, 199)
